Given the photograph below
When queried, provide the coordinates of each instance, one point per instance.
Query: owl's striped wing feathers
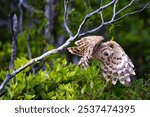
(83, 45)
(84, 48)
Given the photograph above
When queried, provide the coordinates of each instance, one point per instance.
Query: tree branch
(114, 10)
(91, 14)
(113, 17)
(94, 12)
(20, 16)
(125, 7)
(131, 13)
(29, 7)
(49, 16)
(14, 32)
(65, 18)
(101, 14)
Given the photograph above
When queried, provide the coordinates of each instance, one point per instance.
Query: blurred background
(41, 28)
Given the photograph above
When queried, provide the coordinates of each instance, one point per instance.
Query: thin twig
(112, 21)
(125, 7)
(131, 13)
(101, 14)
(114, 10)
(29, 7)
(91, 31)
(65, 18)
(20, 16)
(49, 17)
(89, 15)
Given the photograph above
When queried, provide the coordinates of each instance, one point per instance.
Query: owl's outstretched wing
(84, 45)
(84, 48)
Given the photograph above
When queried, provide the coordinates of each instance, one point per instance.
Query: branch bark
(14, 32)
(65, 18)
(29, 7)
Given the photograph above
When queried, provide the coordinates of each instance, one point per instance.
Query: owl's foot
(84, 62)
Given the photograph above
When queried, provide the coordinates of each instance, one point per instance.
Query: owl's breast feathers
(117, 67)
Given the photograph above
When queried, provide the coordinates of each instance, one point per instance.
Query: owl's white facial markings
(105, 52)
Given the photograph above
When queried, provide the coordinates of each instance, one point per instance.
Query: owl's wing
(119, 68)
(84, 45)
(125, 70)
(84, 48)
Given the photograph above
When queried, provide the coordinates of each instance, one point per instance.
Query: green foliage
(67, 81)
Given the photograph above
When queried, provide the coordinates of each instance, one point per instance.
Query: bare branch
(65, 18)
(113, 18)
(131, 13)
(30, 56)
(101, 14)
(21, 16)
(125, 7)
(49, 17)
(89, 15)
(14, 31)
(91, 31)
(29, 7)
(114, 10)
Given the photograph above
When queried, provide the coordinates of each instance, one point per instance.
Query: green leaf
(83, 90)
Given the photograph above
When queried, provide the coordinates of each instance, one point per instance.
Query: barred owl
(116, 65)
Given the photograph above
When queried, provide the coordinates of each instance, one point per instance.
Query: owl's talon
(83, 62)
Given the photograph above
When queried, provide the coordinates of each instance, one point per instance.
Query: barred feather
(83, 45)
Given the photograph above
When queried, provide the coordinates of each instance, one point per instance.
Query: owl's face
(106, 52)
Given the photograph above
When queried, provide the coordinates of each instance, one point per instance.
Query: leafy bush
(64, 80)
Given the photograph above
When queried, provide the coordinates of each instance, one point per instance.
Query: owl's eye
(106, 54)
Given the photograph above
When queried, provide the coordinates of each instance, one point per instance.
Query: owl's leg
(85, 59)
(83, 62)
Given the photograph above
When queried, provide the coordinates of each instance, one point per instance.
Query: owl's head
(106, 51)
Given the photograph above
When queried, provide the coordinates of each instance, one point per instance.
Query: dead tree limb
(29, 7)
(114, 17)
(14, 32)
(65, 18)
